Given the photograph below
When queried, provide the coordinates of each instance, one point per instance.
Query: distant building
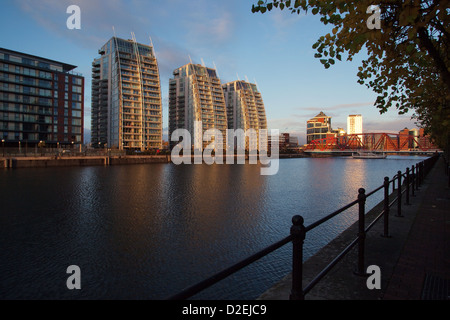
(413, 138)
(126, 97)
(339, 132)
(196, 94)
(245, 107)
(293, 142)
(41, 101)
(318, 127)
(354, 124)
(425, 140)
(415, 133)
(285, 142)
(405, 142)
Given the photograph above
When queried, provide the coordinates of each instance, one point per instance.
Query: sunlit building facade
(196, 95)
(41, 101)
(245, 107)
(318, 127)
(355, 125)
(126, 97)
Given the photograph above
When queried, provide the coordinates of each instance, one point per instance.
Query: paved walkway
(423, 269)
(414, 261)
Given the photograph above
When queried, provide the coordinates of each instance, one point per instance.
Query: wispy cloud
(208, 25)
(97, 18)
(338, 107)
(282, 21)
(391, 126)
(286, 124)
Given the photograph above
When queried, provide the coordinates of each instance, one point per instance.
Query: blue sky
(273, 49)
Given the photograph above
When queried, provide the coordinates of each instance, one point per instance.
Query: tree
(407, 44)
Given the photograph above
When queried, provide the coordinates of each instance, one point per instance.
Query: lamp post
(3, 143)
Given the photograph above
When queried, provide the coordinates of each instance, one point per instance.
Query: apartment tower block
(196, 95)
(245, 107)
(126, 97)
(41, 101)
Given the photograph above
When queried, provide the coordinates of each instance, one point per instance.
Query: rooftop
(66, 67)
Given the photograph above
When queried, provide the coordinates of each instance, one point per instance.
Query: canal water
(149, 231)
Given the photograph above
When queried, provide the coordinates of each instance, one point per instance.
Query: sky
(273, 50)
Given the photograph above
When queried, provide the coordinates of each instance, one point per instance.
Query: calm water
(148, 231)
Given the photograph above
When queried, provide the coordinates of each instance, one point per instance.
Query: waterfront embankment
(99, 160)
(44, 162)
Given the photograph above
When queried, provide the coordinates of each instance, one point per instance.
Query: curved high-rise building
(196, 95)
(126, 97)
(245, 107)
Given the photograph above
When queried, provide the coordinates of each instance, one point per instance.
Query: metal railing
(407, 183)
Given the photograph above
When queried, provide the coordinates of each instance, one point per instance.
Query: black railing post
(421, 173)
(386, 207)
(407, 186)
(361, 231)
(399, 194)
(448, 174)
(413, 177)
(298, 233)
(417, 176)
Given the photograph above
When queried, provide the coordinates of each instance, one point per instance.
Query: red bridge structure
(377, 142)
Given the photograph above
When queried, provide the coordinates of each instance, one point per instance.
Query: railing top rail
(374, 191)
(193, 290)
(331, 215)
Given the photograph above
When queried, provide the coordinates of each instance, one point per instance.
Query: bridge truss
(371, 141)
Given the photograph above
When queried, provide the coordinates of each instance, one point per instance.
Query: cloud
(286, 124)
(391, 126)
(97, 19)
(204, 25)
(338, 107)
(283, 20)
(170, 56)
(208, 22)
